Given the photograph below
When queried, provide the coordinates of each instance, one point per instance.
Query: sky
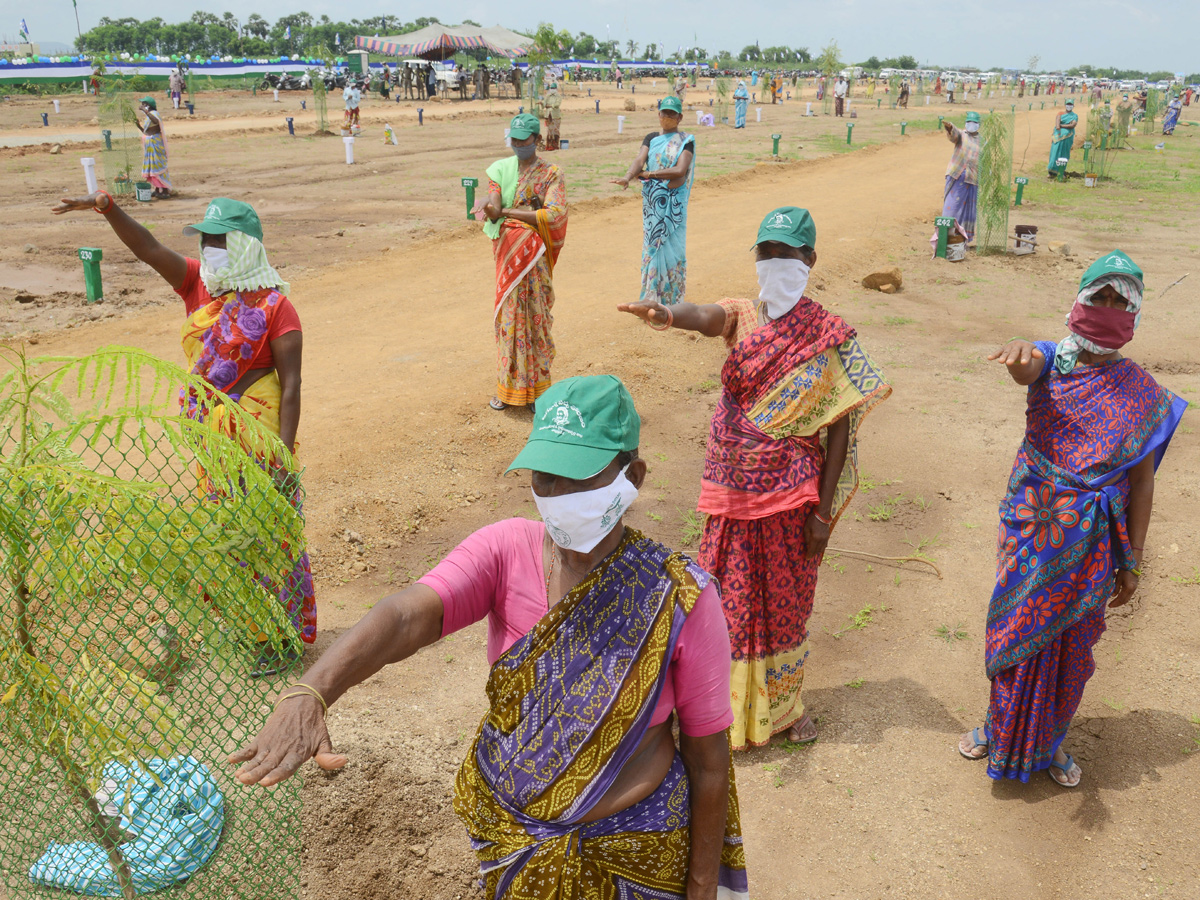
(1163, 35)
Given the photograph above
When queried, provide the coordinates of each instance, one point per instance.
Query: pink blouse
(497, 572)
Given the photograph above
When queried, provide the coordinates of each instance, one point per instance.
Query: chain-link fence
(145, 555)
(995, 177)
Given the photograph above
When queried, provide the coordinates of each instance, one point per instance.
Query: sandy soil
(403, 452)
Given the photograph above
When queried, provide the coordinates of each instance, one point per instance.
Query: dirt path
(401, 449)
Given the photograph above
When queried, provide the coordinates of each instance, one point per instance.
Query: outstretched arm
(166, 262)
(396, 627)
(1024, 361)
(708, 320)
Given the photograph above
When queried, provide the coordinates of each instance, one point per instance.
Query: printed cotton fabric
(569, 704)
(664, 222)
(220, 340)
(525, 258)
(1062, 536)
(784, 384)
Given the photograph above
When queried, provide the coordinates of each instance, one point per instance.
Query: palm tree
(631, 48)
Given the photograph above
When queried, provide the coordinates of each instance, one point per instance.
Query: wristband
(820, 518)
(669, 323)
(107, 209)
(304, 691)
(1139, 549)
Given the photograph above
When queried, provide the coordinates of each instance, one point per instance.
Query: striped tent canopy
(441, 41)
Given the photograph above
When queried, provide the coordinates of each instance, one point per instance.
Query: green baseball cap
(579, 426)
(224, 215)
(1115, 263)
(523, 126)
(671, 104)
(789, 225)
(150, 102)
(972, 116)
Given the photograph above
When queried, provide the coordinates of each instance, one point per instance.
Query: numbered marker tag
(944, 222)
(1021, 179)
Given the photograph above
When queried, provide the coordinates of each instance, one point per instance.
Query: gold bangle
(315, 693)
(290, 696)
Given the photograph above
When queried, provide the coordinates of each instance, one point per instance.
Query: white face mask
(580, 521)
(215, 258)
(971, 128)
(781, 284)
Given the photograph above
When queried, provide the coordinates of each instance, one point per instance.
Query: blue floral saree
(570, 703)
(1062, 538)
(664, 221)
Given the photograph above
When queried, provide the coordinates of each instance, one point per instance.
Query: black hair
(625, 457)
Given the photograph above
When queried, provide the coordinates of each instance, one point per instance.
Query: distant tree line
(207, 34)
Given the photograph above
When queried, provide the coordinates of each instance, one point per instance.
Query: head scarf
(1069, 348)
(248, 269)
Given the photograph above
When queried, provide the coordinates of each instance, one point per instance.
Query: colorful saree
(570, 703)
(784, 384)
(1062, 535)
(221, 340)
(154, 161)
(1061, 141)
(525, 258)
(664, 222)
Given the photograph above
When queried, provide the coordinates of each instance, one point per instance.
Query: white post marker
(620, 124)
(507, 137)
(349, 142)
(56, 107)
(758, 114)
(83, 81)
(276, 95)
(808, 109)
(926, 99)
(89, 173)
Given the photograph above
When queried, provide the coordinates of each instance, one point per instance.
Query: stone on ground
(876, 280)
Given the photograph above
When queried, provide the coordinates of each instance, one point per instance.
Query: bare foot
(1064, 770)
(803, 731)
(970, 747)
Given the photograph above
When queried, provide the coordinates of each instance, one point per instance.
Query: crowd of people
(602, 640)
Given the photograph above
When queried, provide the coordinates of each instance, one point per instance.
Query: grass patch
(693, 526)
(951, 635)
(861, 619)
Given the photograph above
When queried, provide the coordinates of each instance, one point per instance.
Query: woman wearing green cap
(779, 467)
(600, 640)
(242, 336)
(1063, 137)
(664, 165)
(525, 215)
(154, 149)
(1073, 522)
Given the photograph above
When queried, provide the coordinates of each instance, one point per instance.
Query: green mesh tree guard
(121, 150)
(995, 178)
(142, 552)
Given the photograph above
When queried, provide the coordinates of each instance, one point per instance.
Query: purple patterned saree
(1062, 536)
(570, 703)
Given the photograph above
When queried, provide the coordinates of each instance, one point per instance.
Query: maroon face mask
(1102, 325)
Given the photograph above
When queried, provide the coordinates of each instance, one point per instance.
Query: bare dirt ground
(403, 452)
